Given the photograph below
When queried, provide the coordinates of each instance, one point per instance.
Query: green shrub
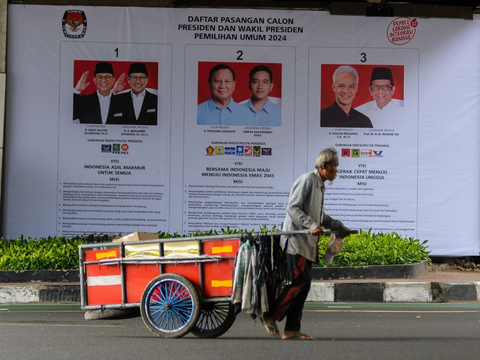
(47, 253)
(368, 248)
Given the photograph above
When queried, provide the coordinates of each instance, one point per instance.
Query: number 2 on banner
(240, 55)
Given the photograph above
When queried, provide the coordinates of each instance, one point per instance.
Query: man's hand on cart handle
(318, 231)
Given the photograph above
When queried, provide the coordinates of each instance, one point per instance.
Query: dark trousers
(291, 300)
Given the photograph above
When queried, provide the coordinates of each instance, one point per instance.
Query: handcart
(181, 285)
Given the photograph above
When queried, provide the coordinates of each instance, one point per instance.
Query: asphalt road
(341, 331)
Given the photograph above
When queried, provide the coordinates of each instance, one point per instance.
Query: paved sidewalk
(429, 287)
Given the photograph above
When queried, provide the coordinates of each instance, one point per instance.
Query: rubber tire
(214, 320)
(170, 293)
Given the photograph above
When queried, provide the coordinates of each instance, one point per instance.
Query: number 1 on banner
(116, 52)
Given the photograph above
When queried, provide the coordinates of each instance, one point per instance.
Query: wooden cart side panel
(222, 248)
(190, 270)
(137, 278)
(104, 284)
(218, 278)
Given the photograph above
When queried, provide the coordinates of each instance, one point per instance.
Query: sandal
(271, 329)
(299, 336)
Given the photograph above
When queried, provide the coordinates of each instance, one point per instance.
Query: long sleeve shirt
(305, 211)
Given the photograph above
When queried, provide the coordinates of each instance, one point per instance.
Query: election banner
(159, 119)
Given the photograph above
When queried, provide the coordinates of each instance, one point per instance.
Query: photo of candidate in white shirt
(383, 106)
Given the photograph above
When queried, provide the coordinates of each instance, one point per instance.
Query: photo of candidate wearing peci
(126, 101)
(382, 89)
(341, 113)
(101, 106)
(140, 103)
(263, 111)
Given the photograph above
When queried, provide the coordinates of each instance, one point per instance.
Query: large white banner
(149, 119)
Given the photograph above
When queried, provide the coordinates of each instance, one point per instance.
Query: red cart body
(111, 279)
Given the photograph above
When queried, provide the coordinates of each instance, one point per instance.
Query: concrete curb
(407, 271)
(371, 292)
(391, 291)
(34, 293)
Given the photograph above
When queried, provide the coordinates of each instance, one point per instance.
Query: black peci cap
(381, 73)
(103, 68)
(138, 68)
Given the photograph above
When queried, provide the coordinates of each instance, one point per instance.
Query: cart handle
(215, 237)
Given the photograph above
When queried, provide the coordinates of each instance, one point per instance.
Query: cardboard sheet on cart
(136, 236)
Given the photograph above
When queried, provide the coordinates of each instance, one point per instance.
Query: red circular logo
(402, 30)
(124, 147)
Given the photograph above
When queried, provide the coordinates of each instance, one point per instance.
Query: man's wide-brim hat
(103, 68)
(138, 68)
(381, 73)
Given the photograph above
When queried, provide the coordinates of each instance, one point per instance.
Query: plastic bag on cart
(335, 245)
(241, 280)
(259, 273)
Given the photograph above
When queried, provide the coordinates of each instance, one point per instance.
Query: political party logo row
(357, 153)
(115, 149)
(238, 150)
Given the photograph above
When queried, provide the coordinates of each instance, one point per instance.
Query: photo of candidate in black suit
(140, 103)
(100, 107)
(341, 113)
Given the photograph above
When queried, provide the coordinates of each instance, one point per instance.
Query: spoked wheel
(214, 320)
(170, 306)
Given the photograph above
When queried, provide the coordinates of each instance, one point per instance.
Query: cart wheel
(214, 320)
(170, 306)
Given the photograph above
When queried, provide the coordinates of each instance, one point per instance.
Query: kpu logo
(74, 24)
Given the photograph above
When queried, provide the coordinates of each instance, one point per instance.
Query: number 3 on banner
(363, 57)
